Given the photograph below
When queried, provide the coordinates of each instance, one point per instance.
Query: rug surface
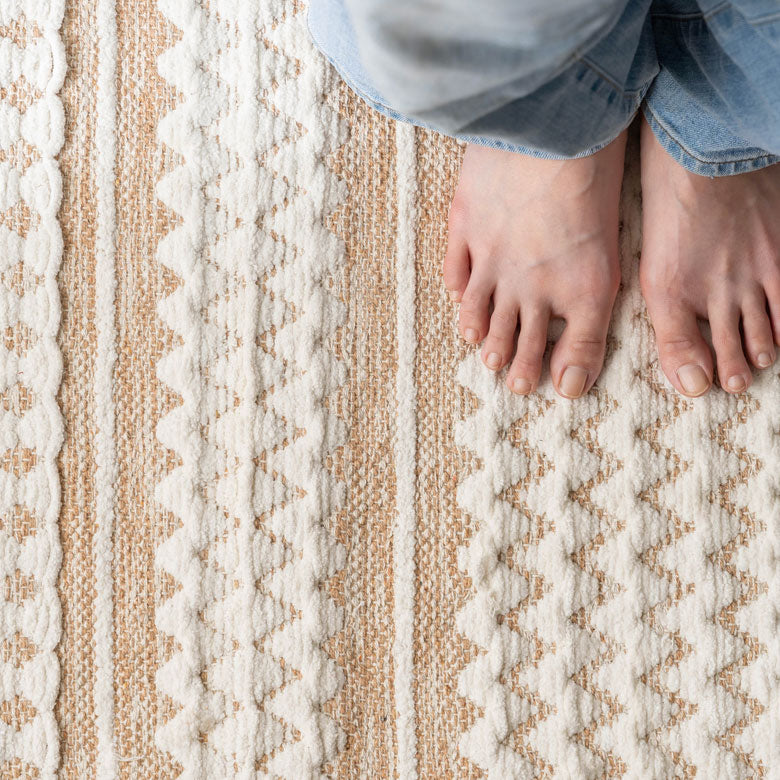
(263, 513)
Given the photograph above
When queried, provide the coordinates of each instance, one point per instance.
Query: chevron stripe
(32, 432)
(251, 676)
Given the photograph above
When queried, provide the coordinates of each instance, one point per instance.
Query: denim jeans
(706, 73)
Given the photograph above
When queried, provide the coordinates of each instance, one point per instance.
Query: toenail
(454, 295)
(521, 385)
(573, 381)
(736, 383)
(764, 360)
(471, 334)
(693, 379)
(493, 360)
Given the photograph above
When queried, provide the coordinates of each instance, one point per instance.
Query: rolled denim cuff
(726, 162)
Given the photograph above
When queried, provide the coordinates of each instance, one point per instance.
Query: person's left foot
(710, 249)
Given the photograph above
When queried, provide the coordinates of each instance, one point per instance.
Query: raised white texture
(40, 60)
(254, 313)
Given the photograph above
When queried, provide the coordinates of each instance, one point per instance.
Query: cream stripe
(183, 191)
(249, 84)
(105, 446)
(405, 456)
(35, 746)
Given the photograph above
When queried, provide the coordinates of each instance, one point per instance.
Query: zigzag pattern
(31, 428)
(311, 255)
(254, 372)
(594, 497)
(753, 616)
(748, 588)
(498, 588)
(663, 470)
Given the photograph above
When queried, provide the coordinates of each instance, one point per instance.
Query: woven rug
(265, 514)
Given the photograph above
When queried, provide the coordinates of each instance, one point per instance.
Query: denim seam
(726, 5)
(766, 19)
(691, 17)
(691, 154)
(717, 10)
(583, 58)
(676, 17)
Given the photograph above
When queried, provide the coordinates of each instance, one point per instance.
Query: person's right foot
(710, 250)
(538, 238)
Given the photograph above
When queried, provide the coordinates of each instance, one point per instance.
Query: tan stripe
(75, 711)
(140, 398)
(440, 652)
(364, 707)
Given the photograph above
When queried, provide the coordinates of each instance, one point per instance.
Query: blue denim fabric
(706, 73)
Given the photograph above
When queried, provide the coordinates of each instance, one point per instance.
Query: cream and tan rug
(265, 515)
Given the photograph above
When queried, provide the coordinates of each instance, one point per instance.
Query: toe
(474, 316)
(499, 342)
(684, 355)
(773, 299)
(523, 374)
(733, 370)
(578, 356)
(456, 265)
(759, 342)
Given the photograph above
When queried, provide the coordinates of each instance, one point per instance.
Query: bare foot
(538, 238)
(711, 249)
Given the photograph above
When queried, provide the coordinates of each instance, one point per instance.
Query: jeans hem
(493, 143)
(688, 159)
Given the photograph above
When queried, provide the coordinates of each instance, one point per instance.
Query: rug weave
(265, 514)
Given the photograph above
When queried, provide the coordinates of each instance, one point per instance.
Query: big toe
(578, 357)
(684, 355)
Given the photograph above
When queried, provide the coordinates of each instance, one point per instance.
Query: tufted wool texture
(263, 513)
